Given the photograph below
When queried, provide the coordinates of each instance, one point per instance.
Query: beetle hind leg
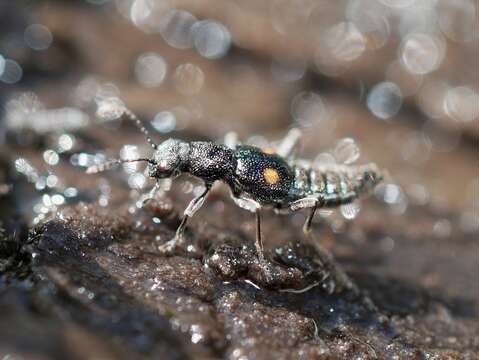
(259, 240)
(289, 144)
(309, 220)
(312, 203)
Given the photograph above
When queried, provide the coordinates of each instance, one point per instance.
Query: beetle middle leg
(190, 210)
(151, 194)
(255, 207)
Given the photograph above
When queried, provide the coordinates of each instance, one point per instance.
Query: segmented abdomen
(336, 184)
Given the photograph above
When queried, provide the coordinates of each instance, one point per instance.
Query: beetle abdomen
(336, 184)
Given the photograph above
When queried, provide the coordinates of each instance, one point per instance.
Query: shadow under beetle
(256, 177)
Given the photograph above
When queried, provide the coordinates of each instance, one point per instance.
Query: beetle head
(168, 159)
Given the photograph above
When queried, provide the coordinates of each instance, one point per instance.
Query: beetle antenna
(98, 168)
(131, 116)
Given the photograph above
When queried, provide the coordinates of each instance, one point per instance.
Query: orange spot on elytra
(268, 151)
(271, 176)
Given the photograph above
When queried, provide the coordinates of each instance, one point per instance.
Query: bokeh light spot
(38, 37)
(384, 100)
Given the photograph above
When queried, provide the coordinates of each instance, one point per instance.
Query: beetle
(257, 178)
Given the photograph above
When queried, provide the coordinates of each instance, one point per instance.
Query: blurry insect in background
(257, 178)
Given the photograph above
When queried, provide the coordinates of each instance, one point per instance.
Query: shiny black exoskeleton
(256, 177)
(248, 170)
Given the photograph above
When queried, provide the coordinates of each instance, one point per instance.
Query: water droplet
(421, 53)
(107, 90)
(346, 151)
(140, 12)
(324, 159)
(307, 109)
(2, 65)
(110, 108)
(19, 110)
(175, 28)
(371, 20)
(462, 103)
(188, 79)
(52, 181)
(212, 39)
(350, 211)
(70, 192)
(384, 100)
(65, 142)
(392, 195)
(418, 194)
(12, 72)
(387, 244)
(287, 70)
(38, 37)
(51, 157)
(457, 19)
(137, 181)
(289, 16)
(415, 149)
(345, 42)
(164, 122)
(57, 199)
(24, 167)
(41, 183)
(150, 70)
(431, 98)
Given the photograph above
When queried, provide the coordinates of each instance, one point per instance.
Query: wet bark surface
(89, 281)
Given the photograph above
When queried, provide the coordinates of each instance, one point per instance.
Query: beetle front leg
(151, 194)
(190, 210)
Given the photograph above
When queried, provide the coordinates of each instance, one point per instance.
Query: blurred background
(389, 81)
(398, 77)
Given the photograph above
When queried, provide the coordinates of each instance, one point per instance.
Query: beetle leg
(152, 193)
(245, 203)
(231, 140)
(309, 219)
(312, 203)
(255, 207)
(303, 203)
(190, 210)
(289, 144)
(259, 240)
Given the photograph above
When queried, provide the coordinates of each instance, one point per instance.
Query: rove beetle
(256, 177)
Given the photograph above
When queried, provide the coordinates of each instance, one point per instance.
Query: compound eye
(158, 171)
